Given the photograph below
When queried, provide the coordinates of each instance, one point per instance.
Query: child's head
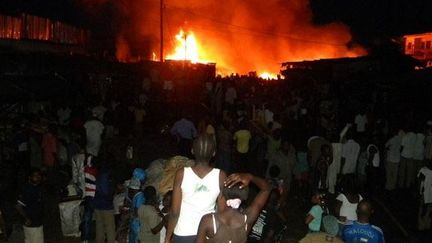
(235, 195)
(166, 201)
(150, 195)
(319, 198)
(274, 171)
(204, 148)
(35, 176)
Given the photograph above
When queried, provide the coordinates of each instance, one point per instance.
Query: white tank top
(198, 199)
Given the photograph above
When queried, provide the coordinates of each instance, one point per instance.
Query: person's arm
(158, 227)
(260, 199)
(221, 201)
(337, 211)
(20, 209)
(204, 228)
(308, 219)
(175, 206)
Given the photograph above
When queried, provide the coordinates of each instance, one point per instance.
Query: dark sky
(369, 19)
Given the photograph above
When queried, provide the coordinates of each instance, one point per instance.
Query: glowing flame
(187, 48)
(267, 75)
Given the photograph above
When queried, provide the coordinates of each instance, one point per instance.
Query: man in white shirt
(425, 210)
(94, 129)
(419, 149)
(407, 166)
(361, 121)
(392, 146)
(350, 153)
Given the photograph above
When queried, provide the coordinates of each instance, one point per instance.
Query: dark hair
(34, 170)
(235, 192)
(150, 194)
(349, 184)
(274, 171)
(204, 147)
(322, 195)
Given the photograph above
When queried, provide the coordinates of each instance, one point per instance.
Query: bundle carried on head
(171, 167)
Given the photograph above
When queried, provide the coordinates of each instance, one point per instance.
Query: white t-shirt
(393, 146)
(419, 147)
(199, 197)
(426, 184)
(94, 130)
(408, 145)
(361, 121)
(348, 210)
(350, 151)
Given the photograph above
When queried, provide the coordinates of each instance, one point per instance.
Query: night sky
(370, 20)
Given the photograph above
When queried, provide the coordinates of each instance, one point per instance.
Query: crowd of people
(250, 149)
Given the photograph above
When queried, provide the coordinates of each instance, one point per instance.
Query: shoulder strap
(214, 224)
(245, 220)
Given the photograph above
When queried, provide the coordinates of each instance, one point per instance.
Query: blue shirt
(316, 212)
(356, 232)
(184, 129)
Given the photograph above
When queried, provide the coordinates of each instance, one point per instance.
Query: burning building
(240, 36)
(419, 46)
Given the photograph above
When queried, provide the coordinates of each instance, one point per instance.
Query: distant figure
(407, 165)
(425, 210)
(49, 148)
(361, 230)
(242, 138)
(185, 132)
(233, 224)
(224, 148)
(393, 146)
(350, 154)
(94, 129)
(361, 121)
(30, 207)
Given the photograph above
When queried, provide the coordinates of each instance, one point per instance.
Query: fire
(187, 48)
(268, 76)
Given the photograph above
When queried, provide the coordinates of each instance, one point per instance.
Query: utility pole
(161, 58)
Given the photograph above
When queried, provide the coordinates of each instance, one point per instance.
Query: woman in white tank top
(195, 193)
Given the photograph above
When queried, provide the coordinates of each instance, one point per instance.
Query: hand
(242, 178)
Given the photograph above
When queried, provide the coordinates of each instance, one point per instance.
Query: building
(419, 46)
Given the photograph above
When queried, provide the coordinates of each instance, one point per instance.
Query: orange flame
(187, 48)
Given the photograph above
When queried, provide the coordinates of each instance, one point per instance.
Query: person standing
(30, 207)
(195, 193)
(185, 132)
(49, 148)
(151, 219)
(407, 167)
(242, 138)
(419, 149)
(103, 205)
(392, 146)
(94, 129)
(361, 230)
(350, 154)
(224, 145)
(425, 209)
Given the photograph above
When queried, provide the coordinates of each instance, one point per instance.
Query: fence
(37, 28)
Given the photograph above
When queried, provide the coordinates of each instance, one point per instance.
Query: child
(313, 219)
(151, 219)
(30, 207)
(231, 225)
(165, 207)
